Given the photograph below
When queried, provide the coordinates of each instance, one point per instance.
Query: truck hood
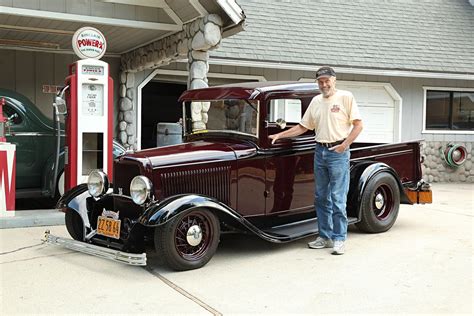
(194, 152)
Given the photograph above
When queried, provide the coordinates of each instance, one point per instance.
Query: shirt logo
(335, 108)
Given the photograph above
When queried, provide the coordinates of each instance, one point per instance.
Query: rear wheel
(189, 240)
(74, 225)
(379, 204)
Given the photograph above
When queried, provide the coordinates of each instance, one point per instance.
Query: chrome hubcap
(194, 235)
(379, 201)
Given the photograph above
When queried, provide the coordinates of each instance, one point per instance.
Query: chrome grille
(213, 182)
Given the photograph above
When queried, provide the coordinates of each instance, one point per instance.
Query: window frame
(442, 131)
(269, 104)
(184, 116)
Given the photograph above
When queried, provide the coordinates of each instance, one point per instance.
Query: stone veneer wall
(436, 170)
(194, 43)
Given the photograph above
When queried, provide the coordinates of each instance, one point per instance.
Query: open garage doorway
(159, 105)
(158, 95)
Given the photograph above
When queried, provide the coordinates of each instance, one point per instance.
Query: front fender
(75, 200)
(165, 210)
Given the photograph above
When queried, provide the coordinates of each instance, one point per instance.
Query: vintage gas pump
(89, 121)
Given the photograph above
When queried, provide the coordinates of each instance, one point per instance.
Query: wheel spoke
(181, 242)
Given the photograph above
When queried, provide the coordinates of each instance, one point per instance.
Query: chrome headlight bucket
(140, 189)
(97, 183)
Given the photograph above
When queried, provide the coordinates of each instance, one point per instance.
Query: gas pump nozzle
(60, 108)
(59, 103)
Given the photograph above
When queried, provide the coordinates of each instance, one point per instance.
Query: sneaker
(338, 248)
(320, 243)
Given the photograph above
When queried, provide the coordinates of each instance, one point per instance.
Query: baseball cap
(325, 72)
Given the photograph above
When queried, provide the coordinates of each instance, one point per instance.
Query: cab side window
(289, 110)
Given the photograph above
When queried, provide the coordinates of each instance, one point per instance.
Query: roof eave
(344, 69)
(233, 10)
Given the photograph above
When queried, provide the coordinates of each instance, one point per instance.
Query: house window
(450, 110)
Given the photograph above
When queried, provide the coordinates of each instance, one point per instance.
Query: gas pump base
(133, 259)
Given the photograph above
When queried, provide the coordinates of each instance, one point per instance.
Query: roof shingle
(417, 35)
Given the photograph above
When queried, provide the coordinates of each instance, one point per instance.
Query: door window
(286, 109)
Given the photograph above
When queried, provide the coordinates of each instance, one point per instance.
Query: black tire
(74, 225)
(171, 242)
(379, 204)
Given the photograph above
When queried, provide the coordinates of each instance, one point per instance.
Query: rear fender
(361, 173)
(165, 210)
(75, 200)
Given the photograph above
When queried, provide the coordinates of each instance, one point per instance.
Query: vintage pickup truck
(228, 177)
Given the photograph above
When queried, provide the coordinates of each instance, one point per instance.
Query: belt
(329, 145)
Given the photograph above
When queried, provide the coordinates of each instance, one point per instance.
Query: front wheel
(380, 203)
(189, 240)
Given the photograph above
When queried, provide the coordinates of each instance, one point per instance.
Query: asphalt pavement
(422, 265)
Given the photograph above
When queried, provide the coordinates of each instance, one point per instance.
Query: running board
(134, 259)
(299, 230)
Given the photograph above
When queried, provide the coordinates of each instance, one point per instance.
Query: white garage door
(379, 110)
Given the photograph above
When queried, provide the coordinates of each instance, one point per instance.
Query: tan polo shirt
(331, 118)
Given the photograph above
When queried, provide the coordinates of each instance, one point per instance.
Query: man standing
(335, 118)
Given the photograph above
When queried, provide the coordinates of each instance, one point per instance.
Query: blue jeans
(331, 177)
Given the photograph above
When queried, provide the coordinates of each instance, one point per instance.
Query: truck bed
(403, 157)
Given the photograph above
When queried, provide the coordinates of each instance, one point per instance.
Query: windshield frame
(186, 129)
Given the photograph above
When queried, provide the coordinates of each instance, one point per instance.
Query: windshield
(237, 116)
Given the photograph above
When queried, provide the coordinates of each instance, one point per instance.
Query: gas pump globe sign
(89, 42)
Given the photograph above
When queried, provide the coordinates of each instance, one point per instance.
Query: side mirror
(12, 119)
(281, 123)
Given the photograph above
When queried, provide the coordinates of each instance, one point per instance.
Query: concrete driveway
(422, 265)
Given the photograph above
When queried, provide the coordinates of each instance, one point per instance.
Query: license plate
(108, 227)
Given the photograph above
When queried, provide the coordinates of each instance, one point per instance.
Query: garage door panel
(370, 95)
(378, 110)
(375, 137)
(377, 119)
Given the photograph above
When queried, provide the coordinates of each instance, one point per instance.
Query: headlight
(97, 183)
(140, 189)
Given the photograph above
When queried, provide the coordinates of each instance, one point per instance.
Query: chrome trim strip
(134, 259)
(32, 134)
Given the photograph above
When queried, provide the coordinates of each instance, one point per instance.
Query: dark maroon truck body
(227, 180)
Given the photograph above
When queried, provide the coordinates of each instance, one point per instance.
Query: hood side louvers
(213, 182)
